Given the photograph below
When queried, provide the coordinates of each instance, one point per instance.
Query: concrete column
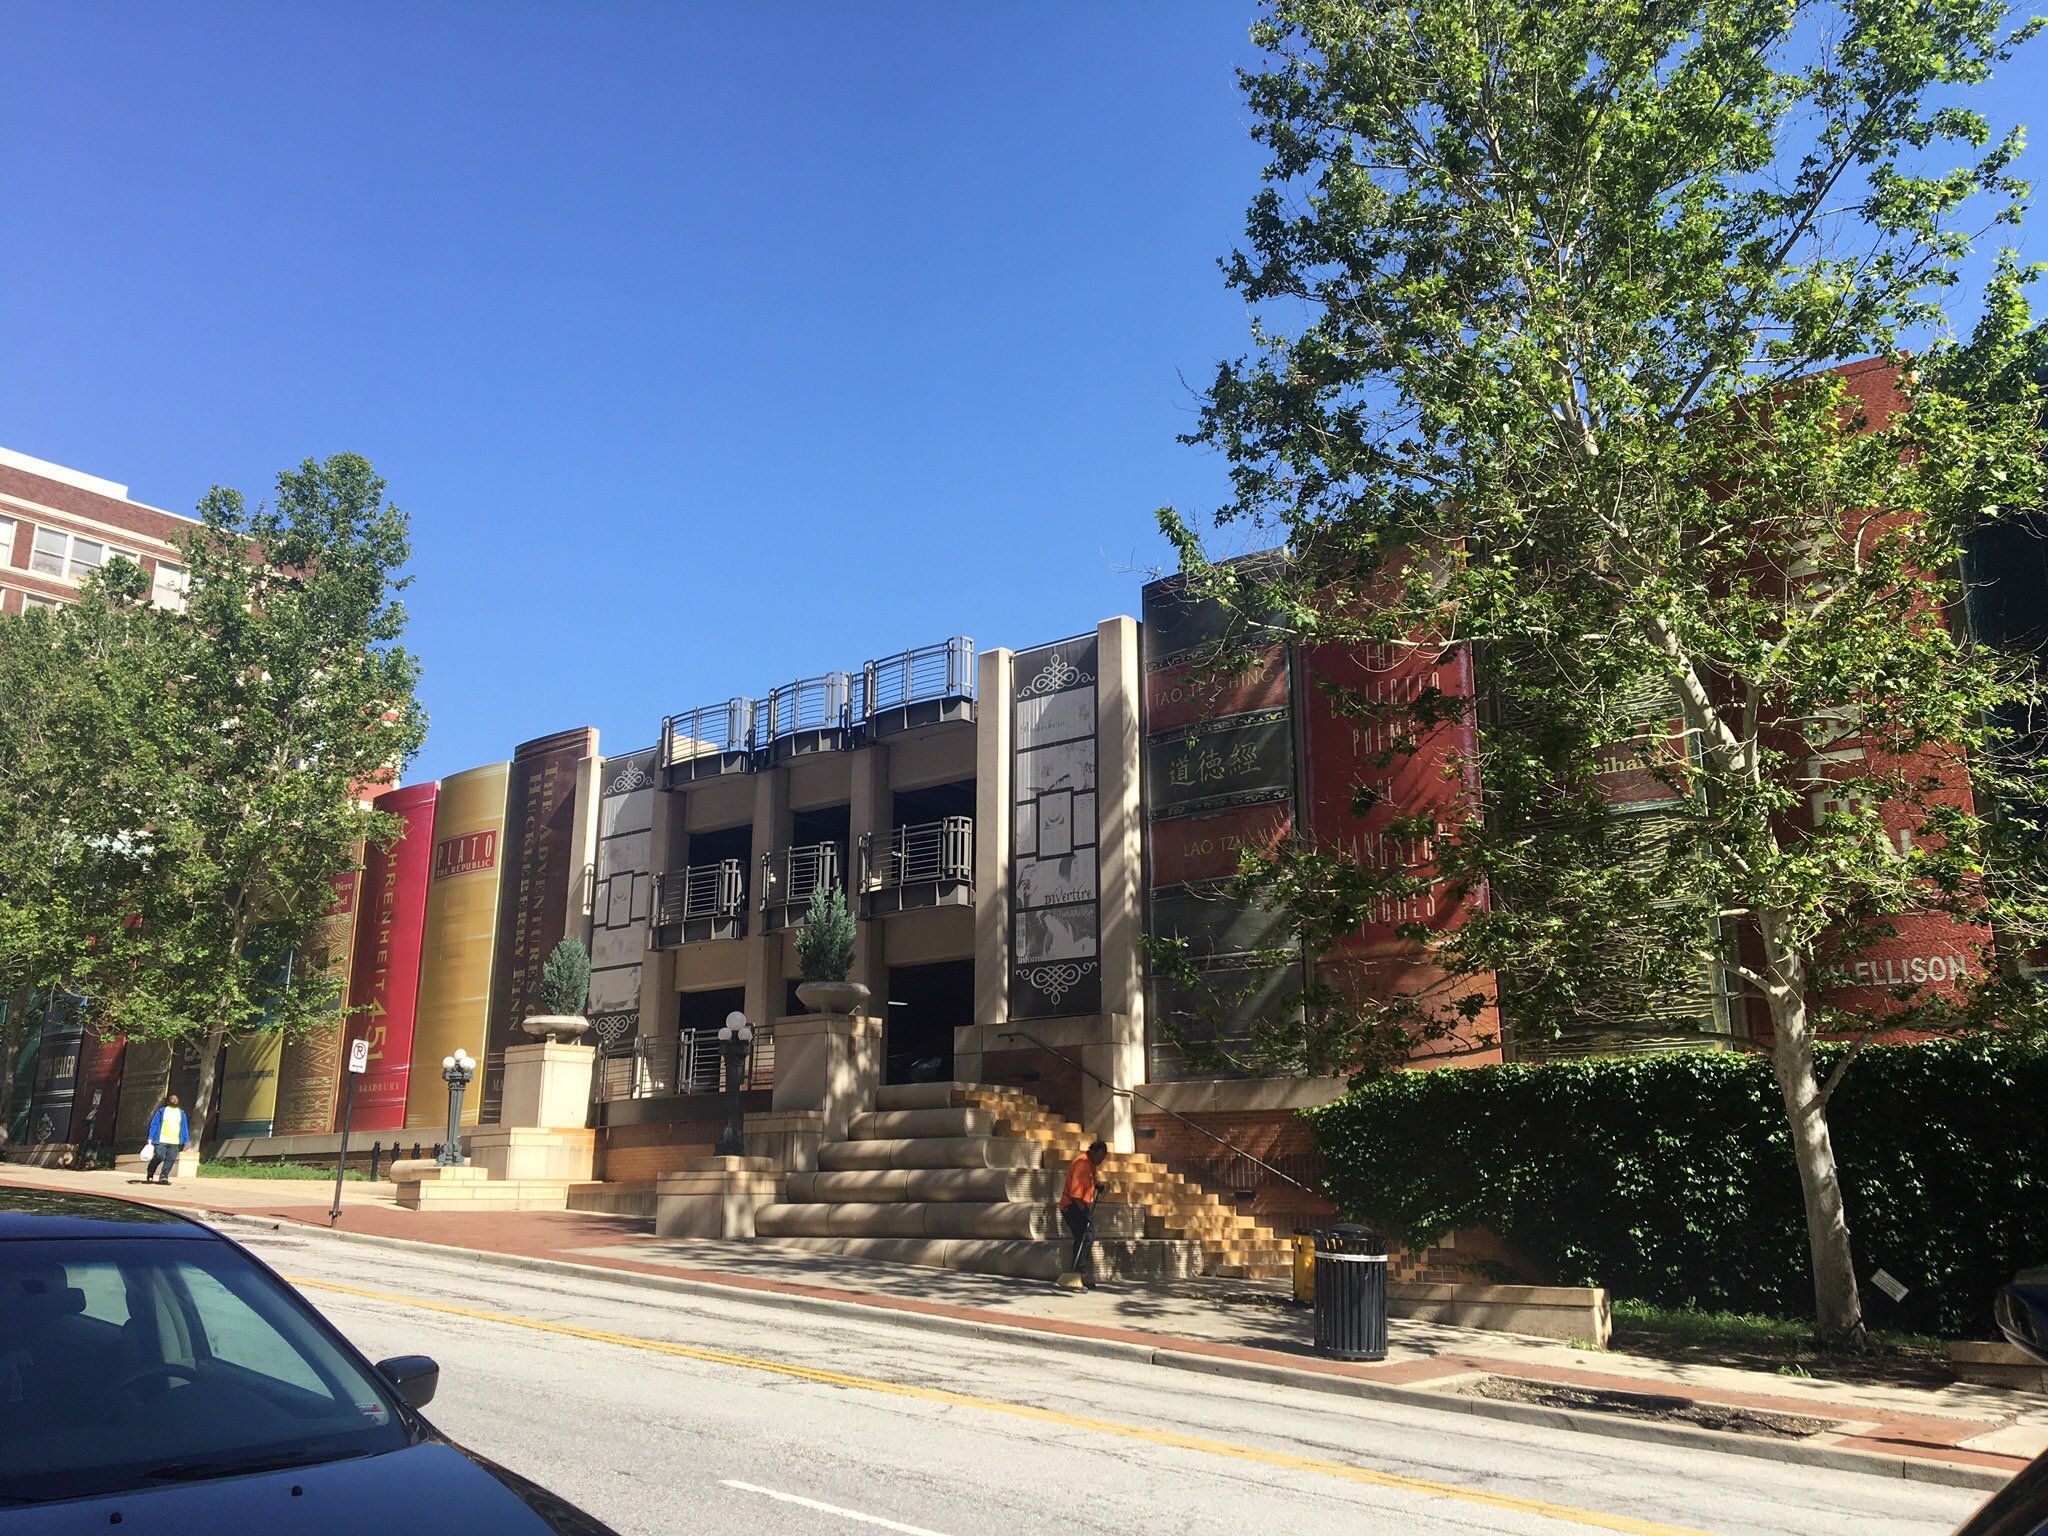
(1117, 1051)
(994, 838)
(583, 843)
(870, 812)
(772, 829)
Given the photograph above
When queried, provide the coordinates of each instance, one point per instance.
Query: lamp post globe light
(735, 1039)
(456, 1071)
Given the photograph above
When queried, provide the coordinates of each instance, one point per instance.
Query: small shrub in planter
(824, 953)
(564, 984)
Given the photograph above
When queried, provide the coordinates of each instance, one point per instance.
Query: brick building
(58, 525)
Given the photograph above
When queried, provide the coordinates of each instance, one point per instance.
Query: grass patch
(1783, 1345)
(241, 1168)
(1684, 1325)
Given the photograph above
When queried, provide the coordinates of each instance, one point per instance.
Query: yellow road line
(1249, 1453)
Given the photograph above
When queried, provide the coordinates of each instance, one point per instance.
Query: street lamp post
(735, 1037)
(456, 1071)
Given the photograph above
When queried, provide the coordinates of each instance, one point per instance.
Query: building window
(37, 600)
(6, 541)
(72, 554)
(48, 555)
(168, 588)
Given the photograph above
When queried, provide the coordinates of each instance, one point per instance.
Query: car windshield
(130, 1363)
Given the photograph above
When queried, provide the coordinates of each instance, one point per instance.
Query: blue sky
(707, 347)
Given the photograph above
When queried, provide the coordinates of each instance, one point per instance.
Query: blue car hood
(429, 1489)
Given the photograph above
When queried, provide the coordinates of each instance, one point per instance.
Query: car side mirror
(2021, 1312)
(415, 1377)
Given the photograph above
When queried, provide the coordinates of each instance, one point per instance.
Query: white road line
(830, 1509)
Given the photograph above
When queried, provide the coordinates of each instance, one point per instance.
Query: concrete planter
(833, 996)
(556, 1026)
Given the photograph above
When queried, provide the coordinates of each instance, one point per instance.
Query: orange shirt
(1080, 1188)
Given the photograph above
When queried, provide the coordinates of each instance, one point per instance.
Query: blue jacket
(156, 1127)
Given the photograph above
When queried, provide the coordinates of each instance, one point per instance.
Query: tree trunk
(10, 1051)
(1838, 1310)
(209, 1081)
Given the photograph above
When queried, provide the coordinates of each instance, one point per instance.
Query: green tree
(565, 978)
(70, 776)
(1543, 302)
(286, 698)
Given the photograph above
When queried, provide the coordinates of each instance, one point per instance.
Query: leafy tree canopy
(1545, 302)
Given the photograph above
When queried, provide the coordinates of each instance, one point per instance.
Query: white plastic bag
(147, 1153)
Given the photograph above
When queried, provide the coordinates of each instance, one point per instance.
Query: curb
(1833, 1458)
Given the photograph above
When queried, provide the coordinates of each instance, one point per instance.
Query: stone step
(929, 1152)
(629, 1198)
(898, 1124)
(875, 1185)
(1115, 1258)
(917, 1096)
(952, 1219)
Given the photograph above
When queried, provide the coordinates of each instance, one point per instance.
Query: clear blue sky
(708, 347)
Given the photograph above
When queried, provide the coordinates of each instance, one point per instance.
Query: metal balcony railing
(794, 873)
(712, 731)
(808, 704)
(700, 891)
(931, 852)
(927, 675)
(943, 671)
(675, 1065)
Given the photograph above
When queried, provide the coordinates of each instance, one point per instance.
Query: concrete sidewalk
(1977, 1435)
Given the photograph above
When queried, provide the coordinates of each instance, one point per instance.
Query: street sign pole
(358, 1064)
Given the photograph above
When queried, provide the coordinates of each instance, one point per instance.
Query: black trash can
(1351, 1294)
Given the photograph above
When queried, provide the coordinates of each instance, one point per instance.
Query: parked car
(2020, 1508)
(155, 1374)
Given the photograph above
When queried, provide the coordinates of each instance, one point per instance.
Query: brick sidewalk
(1252, 1325)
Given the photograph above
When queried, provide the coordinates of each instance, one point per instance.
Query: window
(137, 1362)
(6, 541)
(48, 555)
(37, 600)
(169, 587)
(58, 553)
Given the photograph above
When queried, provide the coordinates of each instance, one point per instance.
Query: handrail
(923, 853)
(1132, 1093)
(685, 1064)
(799, 871)
(944, 670)
(704, 890)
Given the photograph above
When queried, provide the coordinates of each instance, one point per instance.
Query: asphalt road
(662, 1413)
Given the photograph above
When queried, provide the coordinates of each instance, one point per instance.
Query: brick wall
(628, 1153)
(1054, 1083)
(1275, 1136)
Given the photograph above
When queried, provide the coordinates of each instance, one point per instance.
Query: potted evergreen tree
(564, 983)
(824, 953)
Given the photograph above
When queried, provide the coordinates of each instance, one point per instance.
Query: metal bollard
(1351, 1294)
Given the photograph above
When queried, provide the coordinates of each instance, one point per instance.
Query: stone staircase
(927, 1179)
(964, 1176)
(1232, 1243)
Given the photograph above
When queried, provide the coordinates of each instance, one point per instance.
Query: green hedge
(1670, 1178)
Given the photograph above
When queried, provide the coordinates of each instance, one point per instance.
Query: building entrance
(925, 1004)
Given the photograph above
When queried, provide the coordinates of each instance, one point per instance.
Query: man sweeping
(1077, 1209)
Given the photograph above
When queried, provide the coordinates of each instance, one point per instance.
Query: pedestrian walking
(170, 1133)
(1077, 1208)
